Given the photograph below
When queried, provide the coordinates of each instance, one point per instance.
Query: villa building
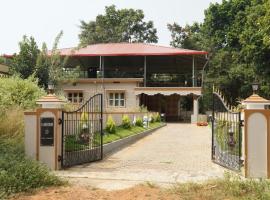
(163, 79)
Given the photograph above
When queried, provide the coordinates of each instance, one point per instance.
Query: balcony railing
(152, 80)
(173, 80)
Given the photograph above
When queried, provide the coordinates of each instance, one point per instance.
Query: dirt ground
(139, 192)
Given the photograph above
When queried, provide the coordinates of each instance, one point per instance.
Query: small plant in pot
(110, 125)
(126, 123)
(84, 135)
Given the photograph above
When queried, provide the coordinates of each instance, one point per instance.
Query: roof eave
(137, 54)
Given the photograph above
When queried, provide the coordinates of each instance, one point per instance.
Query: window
(117, 99)
(75, 97)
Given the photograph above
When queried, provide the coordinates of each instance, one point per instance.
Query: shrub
(110, 125)
(126, 123)
(139, 122)
(152, 119)
(12, 124)
(17, 173)
(15, 91)
(84, 120)
(157, 118)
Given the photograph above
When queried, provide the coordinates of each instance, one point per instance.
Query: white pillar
(145, 76)
(194, 117)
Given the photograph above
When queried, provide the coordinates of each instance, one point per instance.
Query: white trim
(108, 92)
(168, 93)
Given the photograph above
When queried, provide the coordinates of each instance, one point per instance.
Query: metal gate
(226, 134)
(82, 133)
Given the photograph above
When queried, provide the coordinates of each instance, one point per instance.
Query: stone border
(117, 145)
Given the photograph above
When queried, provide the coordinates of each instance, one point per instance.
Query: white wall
(257, 146)
(90, 89)
(47, 153)
(30, 139)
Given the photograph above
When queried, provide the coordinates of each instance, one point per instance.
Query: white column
(194, 117)
(144, 76)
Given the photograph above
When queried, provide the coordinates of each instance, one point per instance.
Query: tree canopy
(31, 61)
(236, 34)
(123, 25)
(25, 61)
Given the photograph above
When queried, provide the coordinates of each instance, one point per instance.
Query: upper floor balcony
(152, 80)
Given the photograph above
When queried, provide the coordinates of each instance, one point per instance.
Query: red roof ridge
(142, 43)
(170, 47)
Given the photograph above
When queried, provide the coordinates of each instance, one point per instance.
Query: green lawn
(73, 144)
(122, 133)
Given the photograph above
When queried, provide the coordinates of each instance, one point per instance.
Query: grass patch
(18, 173)
(121, 132)
(73, 144)
(230, 187)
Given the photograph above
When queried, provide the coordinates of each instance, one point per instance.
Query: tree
(185, 37)
(50, 66)
(236, 35)
(123, 25)
(24, 63)
(42, 66)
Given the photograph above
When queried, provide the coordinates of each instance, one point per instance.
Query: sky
(44, 19)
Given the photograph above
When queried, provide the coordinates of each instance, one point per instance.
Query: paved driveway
(174, 153)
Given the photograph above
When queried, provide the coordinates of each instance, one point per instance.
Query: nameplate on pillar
(47, 131)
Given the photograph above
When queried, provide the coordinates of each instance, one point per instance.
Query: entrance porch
(179, 104)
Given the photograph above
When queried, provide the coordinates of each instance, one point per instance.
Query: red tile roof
(127, 49)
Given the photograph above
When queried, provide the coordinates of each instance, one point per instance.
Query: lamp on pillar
(255, 87)
(50, 87)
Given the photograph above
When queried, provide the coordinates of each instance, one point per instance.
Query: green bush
(18, 173)
(110, 125)
(152, 119)
(126, 123)
(12, 124)
(139, 122)
(15, 91)
(157, 118)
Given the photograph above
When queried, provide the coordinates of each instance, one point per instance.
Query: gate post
(43, 130)
(257, 137)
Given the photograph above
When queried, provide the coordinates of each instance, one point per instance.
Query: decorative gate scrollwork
(226, 134)
(82, 133)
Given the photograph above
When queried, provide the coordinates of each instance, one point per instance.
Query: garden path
(174, 153)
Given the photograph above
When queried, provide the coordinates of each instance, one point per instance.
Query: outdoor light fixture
(50, 87)
(255, 87)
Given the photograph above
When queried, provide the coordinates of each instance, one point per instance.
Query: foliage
(230, 187)
(12, 124)
(123, 25)
(50, 67)
(47, 68)
(186, 37)
(42, 66)
(18, 173)
(157, 117)
(222, 129)
(110, 125)
(24, 62)
(15, 91)
(236, 35)
(84, 118)
(139, 122)
(152, 119)
(126, 123)
(84, 123)
(121, 132)
(143, 108)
